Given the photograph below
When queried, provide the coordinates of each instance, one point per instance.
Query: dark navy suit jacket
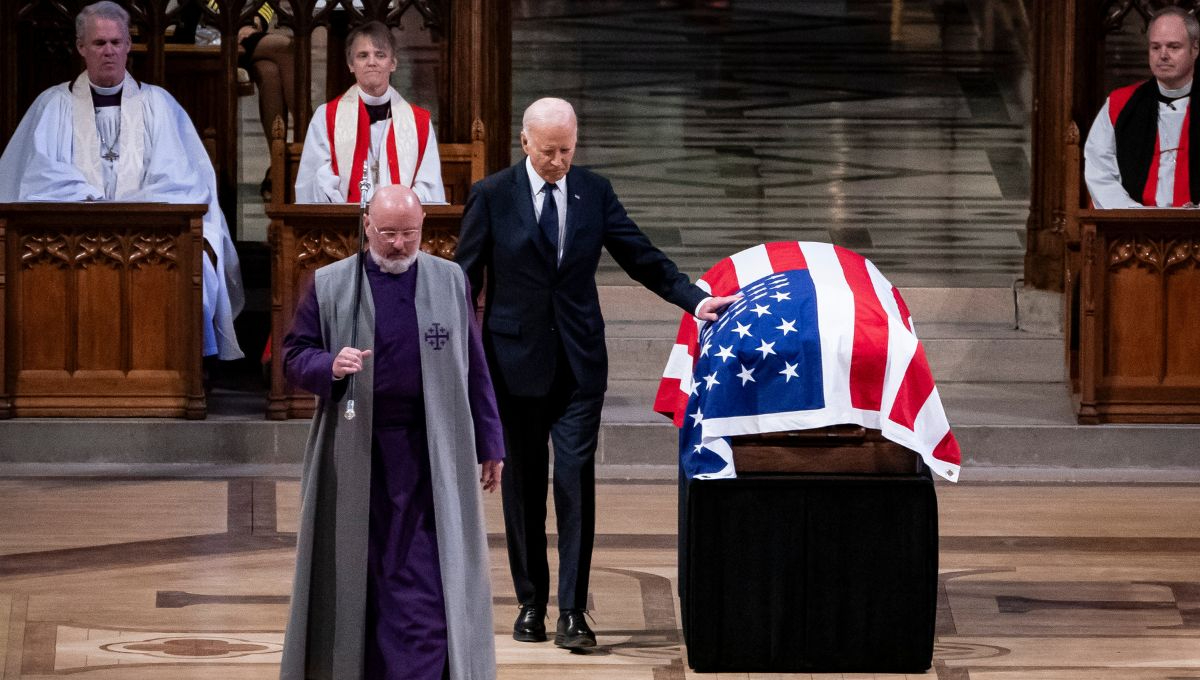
(531, 304)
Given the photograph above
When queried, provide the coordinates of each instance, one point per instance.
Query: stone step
(927, 305)
(1021, 427)
(1017, 426)
(1002, 390)
(968, 334)
(966, 352)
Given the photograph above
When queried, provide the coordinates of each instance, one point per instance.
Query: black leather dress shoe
(573, 631)
(531, 624)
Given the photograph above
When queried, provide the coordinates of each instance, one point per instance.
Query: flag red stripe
(670, 401)
(786, 256)
(914, 390)
(722, 278)
(947, 450)
(868, 362)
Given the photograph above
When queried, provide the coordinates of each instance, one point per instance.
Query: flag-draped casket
(820, 337)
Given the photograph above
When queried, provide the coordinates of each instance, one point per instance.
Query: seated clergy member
(107, 137)
(371, 122)
(1140, 147)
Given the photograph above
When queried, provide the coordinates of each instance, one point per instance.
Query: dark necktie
(548, 221)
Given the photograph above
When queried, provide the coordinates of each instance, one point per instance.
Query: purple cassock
(406, 616)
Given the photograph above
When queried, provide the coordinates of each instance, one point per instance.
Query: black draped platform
(809, 573)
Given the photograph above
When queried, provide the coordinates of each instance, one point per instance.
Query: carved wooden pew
(1139, 322)
(1131, 316)
(305, 237)
(102, 309)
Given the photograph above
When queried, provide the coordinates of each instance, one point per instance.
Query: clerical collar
(106, 96)
(378, 108)
(370, 99)
(1169, 97)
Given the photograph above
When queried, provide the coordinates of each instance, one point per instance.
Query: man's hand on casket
(711, 307)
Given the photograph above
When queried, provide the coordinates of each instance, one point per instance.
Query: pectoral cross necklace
(109, 154)
(108, 126)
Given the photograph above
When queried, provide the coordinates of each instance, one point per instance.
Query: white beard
(392, 266)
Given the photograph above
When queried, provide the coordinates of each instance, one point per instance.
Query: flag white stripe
(751, 265)
(679, 364)
(835, 322)
(733, 426)
(930, 423)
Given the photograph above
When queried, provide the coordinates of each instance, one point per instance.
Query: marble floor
(128, 579)
(898, 128)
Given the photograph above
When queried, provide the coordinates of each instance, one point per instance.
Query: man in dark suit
(537, 228)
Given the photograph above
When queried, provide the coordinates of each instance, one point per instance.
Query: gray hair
(548, 111)
(1190, 24)
(376, 32)
(105, 9)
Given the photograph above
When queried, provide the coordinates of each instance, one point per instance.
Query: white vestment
(56, 155)
(1100, 169)
(316, 181)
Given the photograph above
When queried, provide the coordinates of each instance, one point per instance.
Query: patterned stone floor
(896, 128)
(130, 579)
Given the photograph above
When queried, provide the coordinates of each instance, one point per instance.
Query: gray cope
(327, 626)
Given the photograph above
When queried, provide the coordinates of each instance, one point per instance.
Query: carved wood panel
(102, 310)
(115, 249)
(1139, 323)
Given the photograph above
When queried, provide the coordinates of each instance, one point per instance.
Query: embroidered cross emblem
(436, 336)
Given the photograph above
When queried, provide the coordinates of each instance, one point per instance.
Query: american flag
(819, 338)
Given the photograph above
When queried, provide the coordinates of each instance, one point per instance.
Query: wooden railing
(1130, 314)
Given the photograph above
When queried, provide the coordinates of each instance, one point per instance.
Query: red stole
(1179, 196)
(363, 143)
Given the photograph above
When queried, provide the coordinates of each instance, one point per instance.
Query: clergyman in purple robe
(392, 577)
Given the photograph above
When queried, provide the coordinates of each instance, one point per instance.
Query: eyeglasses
(391, 234)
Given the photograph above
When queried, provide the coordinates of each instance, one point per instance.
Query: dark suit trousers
(572, 421)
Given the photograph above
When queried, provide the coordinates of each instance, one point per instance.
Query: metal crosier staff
(364, 186)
